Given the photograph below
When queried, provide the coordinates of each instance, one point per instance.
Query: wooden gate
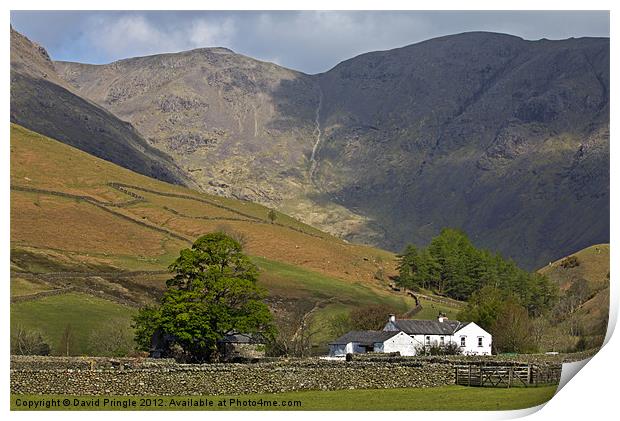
(507, 375)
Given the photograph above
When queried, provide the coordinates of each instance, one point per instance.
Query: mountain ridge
(486, 132)
(42, 101)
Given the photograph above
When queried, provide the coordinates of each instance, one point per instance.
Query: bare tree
(339, 324)
(371, 317)
(295, 333)
(25, 342)
(111, 341)
(512, 329)
(66, 341)
(236, 235)
(539, 328)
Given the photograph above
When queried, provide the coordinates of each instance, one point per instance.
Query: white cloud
(309, 41)
(205, 32)
(135, 35)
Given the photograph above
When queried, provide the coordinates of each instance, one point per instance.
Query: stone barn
(241, 346)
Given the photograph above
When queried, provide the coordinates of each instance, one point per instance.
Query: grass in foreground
(446, 398)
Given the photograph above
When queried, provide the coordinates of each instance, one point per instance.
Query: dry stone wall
(127, 376)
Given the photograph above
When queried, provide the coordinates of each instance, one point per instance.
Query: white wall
(472, 332)
(343, 350)
(401, 342)
(406, 344)
(337, 350)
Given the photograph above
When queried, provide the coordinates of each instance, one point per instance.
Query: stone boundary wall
(138, 198)
(105, 206)
(41, 294)
(130, 376)
(476, 359)
(85, 290)
(63, 276)
(123, 187)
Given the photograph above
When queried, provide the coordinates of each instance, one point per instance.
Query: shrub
(272, 215)
(569, 262)
(435, 349)
(111, 341)
(238, 236)
(25, 342)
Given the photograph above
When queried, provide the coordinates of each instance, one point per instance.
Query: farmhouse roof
(428, 327)
(364, 337)
(233, 337)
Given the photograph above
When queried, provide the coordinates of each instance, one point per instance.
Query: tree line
(452, 266)
(502, 298)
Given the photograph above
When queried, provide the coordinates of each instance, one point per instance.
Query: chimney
(441, 317)
(392, 318)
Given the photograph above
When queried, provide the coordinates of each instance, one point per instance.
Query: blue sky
(309, 41)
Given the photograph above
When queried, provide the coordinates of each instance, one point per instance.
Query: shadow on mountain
(52, 110)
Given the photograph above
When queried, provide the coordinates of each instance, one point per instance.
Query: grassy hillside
(591, 264)
(84, 314)
(107, 225)
(587, 318)
(77, 220)
(431, 309)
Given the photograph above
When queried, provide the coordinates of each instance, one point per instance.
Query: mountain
(504, 138)
(215, 112)
(42, 101)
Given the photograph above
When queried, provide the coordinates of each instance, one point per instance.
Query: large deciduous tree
(213, 291)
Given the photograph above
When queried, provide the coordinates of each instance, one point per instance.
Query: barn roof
(233, 337)
(364, 337)
(428, 327)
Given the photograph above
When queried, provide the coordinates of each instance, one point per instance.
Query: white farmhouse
(361, 341)
(469, 337)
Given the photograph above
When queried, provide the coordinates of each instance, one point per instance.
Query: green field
(280, 277)
(446, 398)
(430, 310)
(21, 286)
(84, 313)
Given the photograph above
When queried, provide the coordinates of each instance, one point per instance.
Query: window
(463, 341)
(479, 341)
(428, 340)
(441, 341)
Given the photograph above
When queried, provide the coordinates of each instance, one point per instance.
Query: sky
(309, 41)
